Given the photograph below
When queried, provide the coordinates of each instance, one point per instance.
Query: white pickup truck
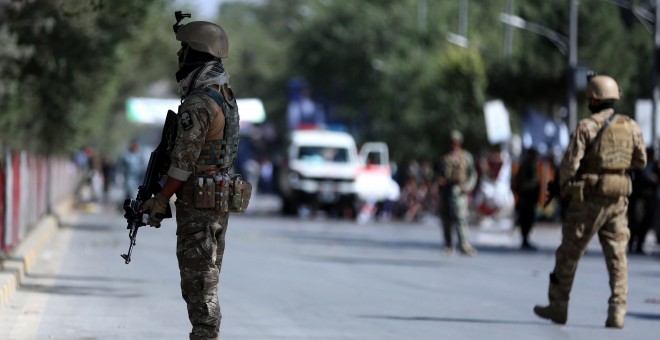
(321, 169)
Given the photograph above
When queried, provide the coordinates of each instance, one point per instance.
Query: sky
(202, 9)
(205, 9)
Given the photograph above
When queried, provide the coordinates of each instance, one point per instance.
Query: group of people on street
(460, 189)
(592, 177)
(98, 175)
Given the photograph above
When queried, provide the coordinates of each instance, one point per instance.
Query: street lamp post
(646, 18)
(572, 65)
(656, 75)
(461, 38)
(566, 45)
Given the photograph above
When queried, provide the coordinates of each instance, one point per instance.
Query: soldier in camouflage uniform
(457, 178)
(204, 148)
(592, 176)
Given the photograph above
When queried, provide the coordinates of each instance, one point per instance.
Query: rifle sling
(593, 142)
(599, 134)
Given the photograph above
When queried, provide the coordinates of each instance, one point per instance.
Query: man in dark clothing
(643, 203)
(526, 184)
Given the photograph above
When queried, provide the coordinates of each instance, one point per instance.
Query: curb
(23, 257)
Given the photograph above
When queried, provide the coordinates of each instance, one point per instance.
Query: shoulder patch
(186, 121)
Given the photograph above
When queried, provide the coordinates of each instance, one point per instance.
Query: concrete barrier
(20, 260)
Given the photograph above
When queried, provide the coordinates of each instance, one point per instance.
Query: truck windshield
(323, 154)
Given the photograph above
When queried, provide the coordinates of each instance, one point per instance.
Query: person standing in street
(132, 166)
(202, 154)
(457, 178)
(592, 175)
(643, 204)
(526, 184)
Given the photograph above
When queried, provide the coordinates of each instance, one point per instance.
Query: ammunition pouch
(220, 192)
(614, 185)
(240, 192)
(576, 191)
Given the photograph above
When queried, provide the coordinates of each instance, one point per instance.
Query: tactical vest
(615, 148)
(221, 152)
(456, 168)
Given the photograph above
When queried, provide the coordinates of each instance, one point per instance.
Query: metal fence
(29, 186)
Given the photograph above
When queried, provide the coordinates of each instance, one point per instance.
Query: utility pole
(463, 18)
(461, 38)
(656, 75)
(421, 14)
(508, 31)
(572, 64)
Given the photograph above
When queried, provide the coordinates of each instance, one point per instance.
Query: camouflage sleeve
(574, 154)
(639, 148)
(191, 132)
(471, 172)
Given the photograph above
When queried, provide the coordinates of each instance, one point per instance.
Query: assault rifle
(158, 164)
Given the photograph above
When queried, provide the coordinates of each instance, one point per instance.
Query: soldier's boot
(468, 250)
(197, 337)
(556, 311)
(615, 315)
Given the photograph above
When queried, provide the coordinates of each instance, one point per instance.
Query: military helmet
(603, 88)
(456, 136)
(205, 37)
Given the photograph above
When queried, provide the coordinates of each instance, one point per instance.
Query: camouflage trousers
(454, 213)
(199, 249)
(605, 216)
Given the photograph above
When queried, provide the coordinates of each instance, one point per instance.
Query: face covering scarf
(211, 73)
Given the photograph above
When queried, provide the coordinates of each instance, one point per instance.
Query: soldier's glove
(157, 208)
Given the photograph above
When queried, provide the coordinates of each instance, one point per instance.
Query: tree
(389, 79)
(60, 89)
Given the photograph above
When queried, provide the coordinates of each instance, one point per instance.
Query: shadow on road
(644, 316)
(375, 261)
(469, 320)
(350, 241)
(83, 278)
(79, 290)
(333, 239)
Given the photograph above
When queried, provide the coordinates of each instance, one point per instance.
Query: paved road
(319, 279)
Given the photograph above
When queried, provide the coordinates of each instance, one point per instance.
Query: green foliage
(389, 79)
(63, 84)
(259, 40)
(610, 41)
(384, 67)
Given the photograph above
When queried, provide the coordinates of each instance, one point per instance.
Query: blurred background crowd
(76, 77)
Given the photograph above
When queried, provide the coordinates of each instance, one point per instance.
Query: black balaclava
(193, 60)
(601, 106)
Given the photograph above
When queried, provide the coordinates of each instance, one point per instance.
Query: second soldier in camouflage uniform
(592, 176)
(457, 178)
(204, 148)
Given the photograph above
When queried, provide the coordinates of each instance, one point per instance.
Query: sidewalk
(19, 261)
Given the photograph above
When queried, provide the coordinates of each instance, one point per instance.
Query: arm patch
(186, 120)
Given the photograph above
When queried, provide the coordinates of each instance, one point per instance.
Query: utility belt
(608, 184)
(219, 192)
